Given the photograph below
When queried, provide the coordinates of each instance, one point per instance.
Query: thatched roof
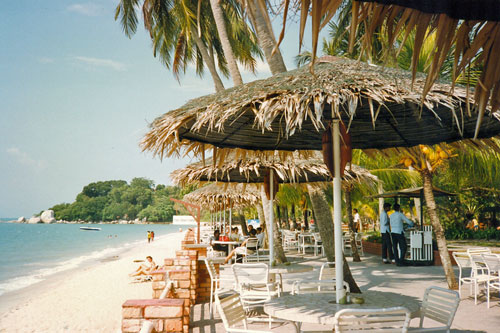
(253, 170)
(463, 27)
(289, 111)
(212, 196)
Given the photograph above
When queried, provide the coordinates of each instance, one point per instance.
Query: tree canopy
(116, 199)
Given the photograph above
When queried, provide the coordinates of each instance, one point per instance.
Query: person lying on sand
(145, 268)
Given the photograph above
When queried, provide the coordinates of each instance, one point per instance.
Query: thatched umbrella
(212, 196)
(462, 27)
(215, 196)
(290, 111)
(255, 170)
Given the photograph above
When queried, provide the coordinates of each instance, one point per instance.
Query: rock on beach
(34, 219)
(48, 216)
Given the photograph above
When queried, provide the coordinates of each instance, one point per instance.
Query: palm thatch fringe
(461, 31)
(214, 196)
(296, 170)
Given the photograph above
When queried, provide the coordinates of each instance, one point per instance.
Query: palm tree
(279, 253)
(183, 33)
(261, 23)
(426, 160)
(226, 44)
(324, 221)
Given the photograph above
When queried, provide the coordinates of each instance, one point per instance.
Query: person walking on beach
(152, 235)
(385, 231)
(397, 232)
(149, 236)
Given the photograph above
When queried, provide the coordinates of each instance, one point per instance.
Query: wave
(40, 275)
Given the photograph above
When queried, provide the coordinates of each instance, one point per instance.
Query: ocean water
(31, 253)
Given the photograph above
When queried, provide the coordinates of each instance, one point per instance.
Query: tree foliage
(116, 199)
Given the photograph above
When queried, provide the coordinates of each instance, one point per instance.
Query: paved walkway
(370, 274)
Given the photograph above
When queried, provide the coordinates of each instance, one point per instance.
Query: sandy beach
(87, 299)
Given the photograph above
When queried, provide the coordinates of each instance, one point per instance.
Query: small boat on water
(90, 228)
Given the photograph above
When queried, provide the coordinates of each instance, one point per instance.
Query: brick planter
(191, 284)
(372, 248)
(166, 314)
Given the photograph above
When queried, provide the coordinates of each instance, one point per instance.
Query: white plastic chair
(378, 320)
(318, 244)
(327, 271)
(478, 250)
(492, 263)
(358, 239)
(254, 286)
(440, 305)
(233, 314)
(463, 261)
(215, 280)
(250, 255)
(303, 245)
(480, 274)
(290, 241)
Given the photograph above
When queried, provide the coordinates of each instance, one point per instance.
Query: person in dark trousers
(385, 232)
(397, 232)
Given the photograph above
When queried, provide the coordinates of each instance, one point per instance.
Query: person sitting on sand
(242, 250)
(145, 268)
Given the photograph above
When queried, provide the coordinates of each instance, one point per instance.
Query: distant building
(184, 220)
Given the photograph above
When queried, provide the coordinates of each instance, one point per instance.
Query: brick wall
(372, 248)
(166, 314)
(191, 282)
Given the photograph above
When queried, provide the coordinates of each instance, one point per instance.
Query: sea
(31, 253)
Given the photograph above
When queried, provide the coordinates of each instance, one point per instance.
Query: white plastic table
(321, 308)
(287, 269)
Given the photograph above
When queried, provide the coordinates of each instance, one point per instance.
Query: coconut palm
(324, 221)
(426, 160)
(261, 22)
(183, 33)
(226, 44)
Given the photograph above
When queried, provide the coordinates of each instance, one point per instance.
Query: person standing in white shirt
(385, 232)
(357, 220)
(397, 233)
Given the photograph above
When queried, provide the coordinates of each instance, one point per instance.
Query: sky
(76, 97)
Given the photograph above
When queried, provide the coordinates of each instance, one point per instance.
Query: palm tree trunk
(266, 38)
(352, 237)
(226, 45)
(324, 222)
(279, 218)
(278, 247)
(209, 61)
(285, 213)
(242, 222)
(262, 220)
(438, 231)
